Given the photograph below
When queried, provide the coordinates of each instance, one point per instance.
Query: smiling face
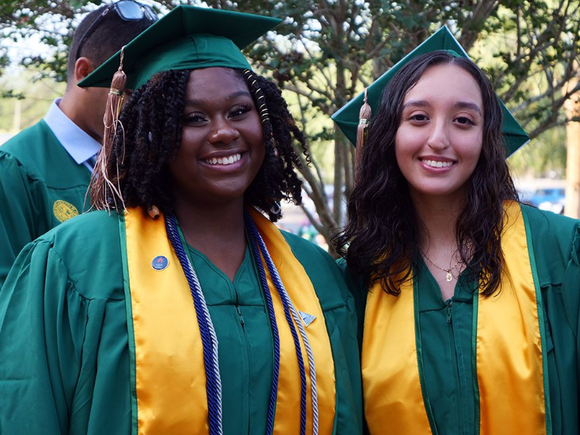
(439, 139)
(222, 148)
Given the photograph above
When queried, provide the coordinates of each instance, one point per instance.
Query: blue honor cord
(210, 342)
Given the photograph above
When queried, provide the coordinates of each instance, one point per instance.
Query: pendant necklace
(448, 275)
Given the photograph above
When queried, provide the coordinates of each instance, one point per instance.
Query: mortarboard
(188, 37)
(347, 118)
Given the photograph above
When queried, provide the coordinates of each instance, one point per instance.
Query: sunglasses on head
(127, 10)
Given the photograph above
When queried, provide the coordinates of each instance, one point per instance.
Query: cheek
(256, 130)
(472, 147)
(191, 140)
(404, 145)
(255, 137)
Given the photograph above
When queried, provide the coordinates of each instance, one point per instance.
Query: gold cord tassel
(105, 186)
(362, 129)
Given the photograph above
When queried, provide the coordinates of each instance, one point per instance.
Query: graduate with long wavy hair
(468, 299)
(178, 307)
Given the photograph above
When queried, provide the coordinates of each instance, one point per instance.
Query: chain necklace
(449, 276)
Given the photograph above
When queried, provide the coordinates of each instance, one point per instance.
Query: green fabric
(188, 37)
(63, 336)
(542, 321)
(446, 331)
(347, 117)
(35, 171)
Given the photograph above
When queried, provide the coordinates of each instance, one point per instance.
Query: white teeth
(437, 164)
(224, 160)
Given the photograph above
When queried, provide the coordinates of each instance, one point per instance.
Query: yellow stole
(509, 359)
(168, 374)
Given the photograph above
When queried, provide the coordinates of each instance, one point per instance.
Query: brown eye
(464, 120)
(194, 118)
(240, 110)
(420, 117)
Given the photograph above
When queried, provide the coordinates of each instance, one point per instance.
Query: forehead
(445, 82)
(213, 82)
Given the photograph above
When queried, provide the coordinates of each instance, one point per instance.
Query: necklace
(449, 276)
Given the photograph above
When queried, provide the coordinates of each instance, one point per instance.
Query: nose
(438, 136)
(223, 132)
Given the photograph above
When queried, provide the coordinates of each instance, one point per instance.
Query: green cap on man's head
(347, 118)
(188, 37)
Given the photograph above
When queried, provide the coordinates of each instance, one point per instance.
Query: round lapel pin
(160, 262)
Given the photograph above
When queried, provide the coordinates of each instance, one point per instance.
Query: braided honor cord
(275, 337)
(206, 329)
(258, 243)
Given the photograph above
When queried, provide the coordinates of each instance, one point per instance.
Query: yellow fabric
(508, 352)
(303, 296)
(390, 372)
(168, 379)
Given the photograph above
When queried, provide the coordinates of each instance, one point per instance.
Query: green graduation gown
(40, 187)
(446, 341)
(64, 352)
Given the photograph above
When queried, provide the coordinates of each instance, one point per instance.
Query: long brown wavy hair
(381, 240)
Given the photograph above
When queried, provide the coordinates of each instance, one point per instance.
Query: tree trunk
(572, 108)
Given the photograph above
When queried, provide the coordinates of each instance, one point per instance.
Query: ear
(83, 67)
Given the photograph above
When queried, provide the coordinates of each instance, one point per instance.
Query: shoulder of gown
(556, 255)
(87, 247)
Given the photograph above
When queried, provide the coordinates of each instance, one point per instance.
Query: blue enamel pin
(160, 262)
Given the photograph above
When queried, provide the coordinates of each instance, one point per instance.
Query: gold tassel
(362, 129)
(102, 187)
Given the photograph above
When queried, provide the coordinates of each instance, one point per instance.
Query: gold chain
(449, 276)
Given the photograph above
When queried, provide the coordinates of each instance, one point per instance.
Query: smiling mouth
(437, 163)
(224, 161)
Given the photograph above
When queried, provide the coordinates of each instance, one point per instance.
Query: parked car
(552, 199)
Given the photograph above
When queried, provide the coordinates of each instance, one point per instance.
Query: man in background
(45, 170)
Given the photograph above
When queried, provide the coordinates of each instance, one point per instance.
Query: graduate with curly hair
(179, 307)
(469, 299)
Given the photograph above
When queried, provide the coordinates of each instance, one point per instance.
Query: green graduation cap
(347, 118)
(188, 37)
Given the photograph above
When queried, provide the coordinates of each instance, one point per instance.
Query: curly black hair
(149, 137)
(381, 240)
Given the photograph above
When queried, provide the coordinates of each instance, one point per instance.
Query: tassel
(104, 191)
(362, 129)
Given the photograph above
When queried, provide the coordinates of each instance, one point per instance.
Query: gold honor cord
(162, 315)
(509, 357)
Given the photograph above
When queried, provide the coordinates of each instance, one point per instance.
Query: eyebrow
(234, 95)
(458, 105)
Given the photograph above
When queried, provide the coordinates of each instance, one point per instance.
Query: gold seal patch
(63, 210)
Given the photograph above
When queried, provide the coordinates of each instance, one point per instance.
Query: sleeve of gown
(16, 212)
(42, 328)
(571, 288)
(571, 292)
(358, 291)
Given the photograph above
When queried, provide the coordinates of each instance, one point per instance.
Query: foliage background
(327, 51)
